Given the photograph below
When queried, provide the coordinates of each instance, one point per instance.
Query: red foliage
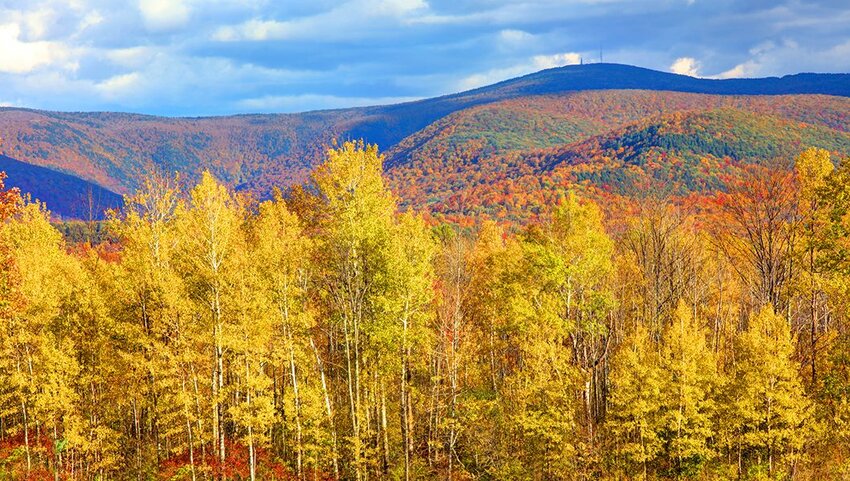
(236, 465)
(10, 199)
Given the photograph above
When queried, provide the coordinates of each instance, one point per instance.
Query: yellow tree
(687, 404)
(409, 301)
(634, 413)
(251, 339)
(354, 262)
(211, 246)
(765, 407)
(283, 250)
(812, 168)
(149, 302)
(38, 364)
(569, 264)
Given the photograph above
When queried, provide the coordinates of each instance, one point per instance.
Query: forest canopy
(327, 334)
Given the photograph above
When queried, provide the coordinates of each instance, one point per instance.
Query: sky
(214, 57)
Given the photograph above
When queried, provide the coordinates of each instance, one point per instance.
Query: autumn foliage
(325, 334)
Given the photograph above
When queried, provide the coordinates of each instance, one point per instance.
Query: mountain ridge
(256, 152)
(65, 195)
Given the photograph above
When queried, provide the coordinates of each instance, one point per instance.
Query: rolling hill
(681, 154)
(66, 196)
(483, 135)
(479, 147)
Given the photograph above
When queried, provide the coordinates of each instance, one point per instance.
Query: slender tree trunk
(328, 408)
(405, 421)
(385, 435)
(252, 458)
(297, 400)
(26, 437)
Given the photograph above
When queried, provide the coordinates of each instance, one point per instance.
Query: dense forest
(327, 334)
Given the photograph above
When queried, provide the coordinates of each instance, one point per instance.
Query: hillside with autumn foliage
(506, 160)
(443, 139)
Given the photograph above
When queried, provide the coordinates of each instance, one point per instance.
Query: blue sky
(210, 57)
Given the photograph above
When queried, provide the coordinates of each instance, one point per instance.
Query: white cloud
(119, 86)
(772, 58)
(542, 62)
(300, 103)
(686, 66)
(22, 57)
(164, 14)
(513, 36)
(90, 19)
(37, 23)
(355, 18)
(132, 57)
(742, 70)
(255, 30)
(397, 7)
(534, 64)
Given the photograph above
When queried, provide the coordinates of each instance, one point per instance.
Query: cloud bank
(206, 57)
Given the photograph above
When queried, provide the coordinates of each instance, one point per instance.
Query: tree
(666, 259)
(687, 405)
(635, 404)
(756, 231)
(283, 253)
(409, 300)
(765, 406)
(209, 259)
(149, 303)
(355, 262)
(569, 263)
(812, 168)
(39, 367)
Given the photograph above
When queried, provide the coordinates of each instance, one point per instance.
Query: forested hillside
(506, 160)
(327, 335)
(68, 196)
(255, 153)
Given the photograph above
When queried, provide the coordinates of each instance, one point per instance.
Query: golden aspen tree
(569, 266)
(354, 246)
(150, 305)
(251, 342)
(634, 413)
(812, 168)
(283, 251)
(409, 302)
(687, 405)
(833, 379)
(99, 383)
(765, 407)
(38, 365)
(212, 240)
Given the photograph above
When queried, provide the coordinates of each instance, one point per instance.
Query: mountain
(257, 152)
(685, 154)
(66, 196)
(487, 144)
